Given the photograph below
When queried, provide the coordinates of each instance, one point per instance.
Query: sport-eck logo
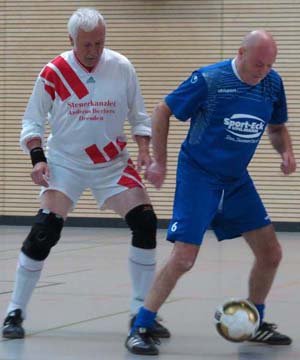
(244, 126)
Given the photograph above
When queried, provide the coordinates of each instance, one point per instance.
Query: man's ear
(242, 51)
(71, 40)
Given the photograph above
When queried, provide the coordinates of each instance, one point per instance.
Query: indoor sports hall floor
(79, 310)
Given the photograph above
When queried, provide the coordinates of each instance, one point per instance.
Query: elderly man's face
(89, 45)
(256, 62)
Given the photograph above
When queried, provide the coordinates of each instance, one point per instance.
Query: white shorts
(119, 175)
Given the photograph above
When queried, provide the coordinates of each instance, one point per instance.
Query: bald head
(256, 56)
(260, 39)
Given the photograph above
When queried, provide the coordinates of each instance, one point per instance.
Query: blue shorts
(202, 201)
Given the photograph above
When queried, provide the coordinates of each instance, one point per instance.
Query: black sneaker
(12, 326)
(142, 342)
(267, 334)
(158, 330)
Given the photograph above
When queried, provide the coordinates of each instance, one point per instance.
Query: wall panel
(165, 40)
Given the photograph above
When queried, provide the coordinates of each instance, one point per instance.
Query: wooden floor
(79, 310)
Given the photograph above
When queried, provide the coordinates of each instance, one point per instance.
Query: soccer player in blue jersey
(229, 105)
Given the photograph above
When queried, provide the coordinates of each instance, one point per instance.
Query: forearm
(142, 142)
(160, 130)
(36, 151)
(33, 143)
(280, 139)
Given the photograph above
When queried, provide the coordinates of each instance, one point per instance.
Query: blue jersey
(228, 117)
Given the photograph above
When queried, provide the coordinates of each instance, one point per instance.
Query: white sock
(142, 270)
(27, 275)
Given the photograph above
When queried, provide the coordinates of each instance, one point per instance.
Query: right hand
(155, 174)
(288, 165)
(40, 174)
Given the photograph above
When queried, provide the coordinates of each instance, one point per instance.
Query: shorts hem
(238, 234)
(184, 242)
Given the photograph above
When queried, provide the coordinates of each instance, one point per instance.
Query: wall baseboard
(118, 223)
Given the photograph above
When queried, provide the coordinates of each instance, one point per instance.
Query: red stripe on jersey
(131, 171)
(51, 76)
(71, 77)
(95, 154)
(121, 144)
(50, 90)
(111, 150)
(128, 182)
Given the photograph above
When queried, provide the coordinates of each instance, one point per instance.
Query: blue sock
(145, 318)
(261, 310)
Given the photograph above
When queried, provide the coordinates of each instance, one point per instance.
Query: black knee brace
(143, 223)
(44, 234)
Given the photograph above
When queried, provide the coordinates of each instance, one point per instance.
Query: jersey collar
(234, 69)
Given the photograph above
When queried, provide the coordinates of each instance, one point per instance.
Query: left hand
(156, 174)
(288, 164)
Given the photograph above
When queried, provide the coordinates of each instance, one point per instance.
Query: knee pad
(44, 234)
(143, 223)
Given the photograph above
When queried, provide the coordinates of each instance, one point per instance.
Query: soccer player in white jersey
(229, 105)
(86, 93)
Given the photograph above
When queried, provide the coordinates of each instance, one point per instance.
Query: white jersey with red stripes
(86, 110)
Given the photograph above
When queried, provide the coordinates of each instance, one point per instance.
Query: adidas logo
(91, 80)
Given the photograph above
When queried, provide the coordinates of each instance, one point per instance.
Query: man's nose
(94, 49)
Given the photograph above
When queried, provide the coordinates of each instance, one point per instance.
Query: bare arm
(33, 143)
(281, 141)
(40, 171)
(144, 158)
(160, 128)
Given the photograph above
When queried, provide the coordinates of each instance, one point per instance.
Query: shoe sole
(141, 352)
(13, 336)
(272, 343)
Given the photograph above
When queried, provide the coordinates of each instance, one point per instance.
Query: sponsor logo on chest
(244, 127)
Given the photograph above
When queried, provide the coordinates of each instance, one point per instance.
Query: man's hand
(143, 159)
(288, 164)
(155, 174)
(40, 174)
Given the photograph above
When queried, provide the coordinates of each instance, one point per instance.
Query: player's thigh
(195, 204)
(242, 211)
(65, 187)
(56, 202)
(126, 200)
(263, 242)
(119, 187)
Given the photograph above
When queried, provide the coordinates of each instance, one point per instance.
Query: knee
(271, 256)
(183, 261)
(44, 234)
(183, 265)
(275, 256)
(142, 222)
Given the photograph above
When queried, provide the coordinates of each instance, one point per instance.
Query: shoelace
(12, 320)
(270, 326)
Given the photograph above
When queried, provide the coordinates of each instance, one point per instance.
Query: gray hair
(86, 19)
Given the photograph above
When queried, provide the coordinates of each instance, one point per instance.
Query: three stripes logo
(135, 340)
(262, 335)
(109, 152)
(61, 79)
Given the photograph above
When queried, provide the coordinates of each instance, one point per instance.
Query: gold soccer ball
(237, 320)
